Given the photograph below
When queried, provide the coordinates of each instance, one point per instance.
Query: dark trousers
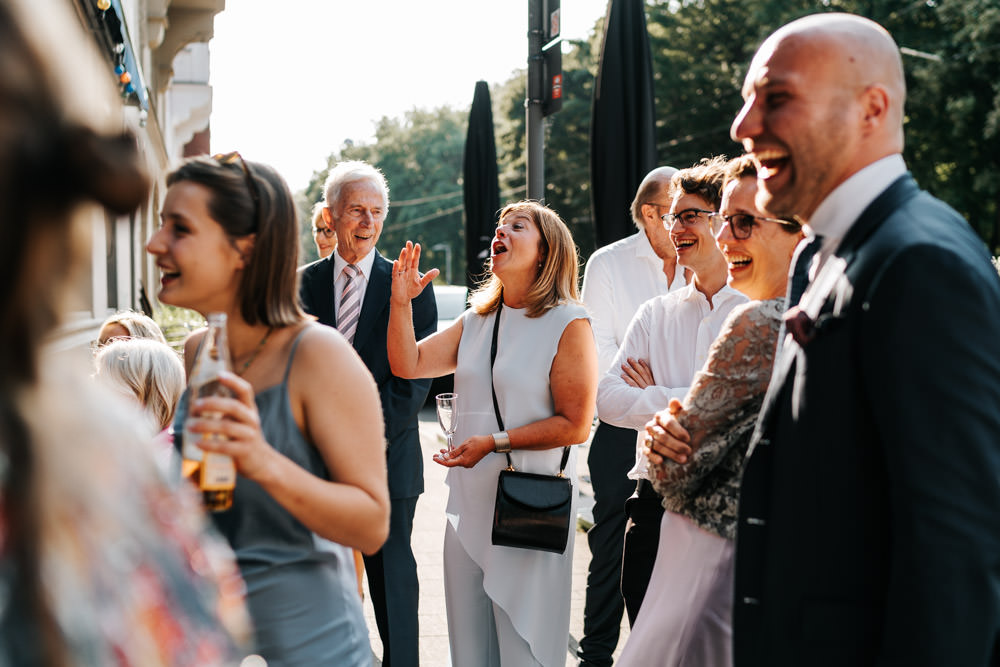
(642, 536)
(612, 455)
(395, 591)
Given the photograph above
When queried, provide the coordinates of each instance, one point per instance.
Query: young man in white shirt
(619, 277)
(666, 343)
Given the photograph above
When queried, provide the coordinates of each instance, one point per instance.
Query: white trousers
(686, 616)
(479, 632)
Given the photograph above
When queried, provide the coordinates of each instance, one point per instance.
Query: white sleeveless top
(532, 587)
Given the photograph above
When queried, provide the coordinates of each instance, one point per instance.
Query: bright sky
(292, 79)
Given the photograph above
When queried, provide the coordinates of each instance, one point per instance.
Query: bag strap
(496, 404)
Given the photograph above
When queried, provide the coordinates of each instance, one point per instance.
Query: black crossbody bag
(532, 511)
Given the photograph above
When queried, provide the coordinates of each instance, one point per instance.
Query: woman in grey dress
(309, 451)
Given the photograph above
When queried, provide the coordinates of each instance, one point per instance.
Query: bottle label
(218, 472)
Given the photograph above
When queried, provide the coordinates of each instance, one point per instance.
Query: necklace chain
(253, 357)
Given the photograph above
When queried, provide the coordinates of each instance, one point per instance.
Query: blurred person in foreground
(506, 606)
(619, 278)
(309, 454)
(869, 515)
(101, 562)
(686, 616)
(323, 233)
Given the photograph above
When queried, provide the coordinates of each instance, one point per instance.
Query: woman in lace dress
(686, 614)
(506, 606)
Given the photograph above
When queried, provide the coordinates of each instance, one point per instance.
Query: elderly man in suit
(350, 290)
(869, 529)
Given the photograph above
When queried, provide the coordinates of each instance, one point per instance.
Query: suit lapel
(321, 293)
(376, 298)
(831, 279)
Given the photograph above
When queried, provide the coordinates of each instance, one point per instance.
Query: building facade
(157, 54)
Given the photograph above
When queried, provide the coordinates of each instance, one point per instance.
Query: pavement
(428, 538)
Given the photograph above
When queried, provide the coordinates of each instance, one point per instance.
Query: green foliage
(421, 157)
(701, 50)
(176, 323)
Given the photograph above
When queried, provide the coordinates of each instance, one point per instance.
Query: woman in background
(506, 606)
(323, 234)
(101, 563)
(305, 426)
(685, 618)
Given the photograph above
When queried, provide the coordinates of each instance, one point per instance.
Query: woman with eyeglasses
(686, 615)
(323, 234)
(310, 454)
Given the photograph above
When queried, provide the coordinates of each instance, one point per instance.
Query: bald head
(652, 190)
(823, 99)
(863, 52)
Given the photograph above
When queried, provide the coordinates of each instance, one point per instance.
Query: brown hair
(557, 279)
(704, 179)
(59, 147)
(268, 289)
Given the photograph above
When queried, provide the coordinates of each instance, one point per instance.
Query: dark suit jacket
(401, 399)
(869, 528)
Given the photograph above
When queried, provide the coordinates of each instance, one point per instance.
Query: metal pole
(447, 259)
(534, 121)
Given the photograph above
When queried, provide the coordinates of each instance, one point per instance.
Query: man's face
(357, 217)
(656, 232)
(798, 121)
(692, 234)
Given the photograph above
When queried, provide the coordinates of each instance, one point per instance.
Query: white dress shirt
(672, 333)
(618, 279)
(365, 266)
(836, 214)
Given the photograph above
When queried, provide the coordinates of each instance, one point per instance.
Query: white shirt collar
(365, 265)
(844, 205)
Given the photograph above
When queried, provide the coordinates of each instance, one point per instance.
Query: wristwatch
(501, 442)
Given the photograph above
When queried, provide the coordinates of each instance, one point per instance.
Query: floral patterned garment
(719, 412)
(132, 572)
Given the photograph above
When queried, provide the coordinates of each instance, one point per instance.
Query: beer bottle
(214, 474)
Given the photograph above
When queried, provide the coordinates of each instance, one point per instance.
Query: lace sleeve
(721, 407)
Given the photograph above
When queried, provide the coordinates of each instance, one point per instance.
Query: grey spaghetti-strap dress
(301, 590)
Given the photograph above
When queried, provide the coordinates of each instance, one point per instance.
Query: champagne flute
(447, 414)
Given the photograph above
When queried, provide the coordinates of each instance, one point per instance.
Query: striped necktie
(350, 303)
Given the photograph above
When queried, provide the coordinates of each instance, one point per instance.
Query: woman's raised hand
(407, 282)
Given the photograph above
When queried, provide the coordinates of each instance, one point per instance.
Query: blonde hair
(146, 368)
(558, 277)
(137, 325)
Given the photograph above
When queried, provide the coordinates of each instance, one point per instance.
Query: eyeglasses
(688, 217)
(325, 231)
(741, 224)
(226, 159)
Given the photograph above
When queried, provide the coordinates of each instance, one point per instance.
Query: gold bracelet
(501, 442)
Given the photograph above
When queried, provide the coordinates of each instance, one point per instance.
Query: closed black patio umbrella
(622, 122)
(480, 186)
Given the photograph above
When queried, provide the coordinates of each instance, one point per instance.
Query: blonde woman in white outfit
(506, 606)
